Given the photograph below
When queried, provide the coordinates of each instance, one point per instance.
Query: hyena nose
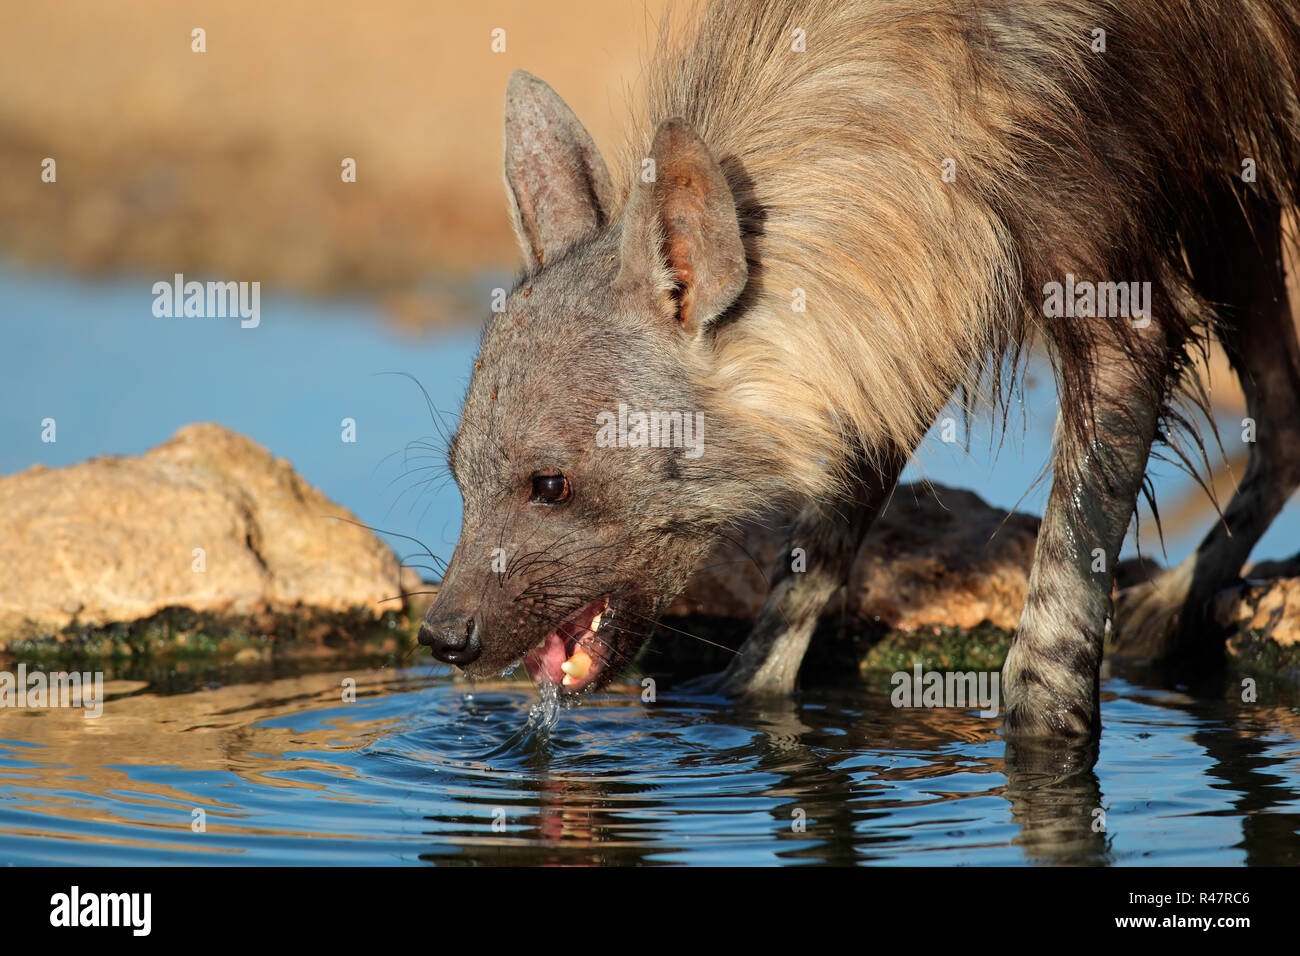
(454, 640)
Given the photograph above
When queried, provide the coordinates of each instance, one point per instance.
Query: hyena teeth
(576, 667)
(595, 622)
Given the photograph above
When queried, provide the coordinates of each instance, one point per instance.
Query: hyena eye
(551, 489)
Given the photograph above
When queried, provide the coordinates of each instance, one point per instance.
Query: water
(419, 769)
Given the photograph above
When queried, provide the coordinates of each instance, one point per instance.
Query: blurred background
(225, 164)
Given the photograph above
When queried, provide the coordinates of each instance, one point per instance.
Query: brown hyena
(832, 215)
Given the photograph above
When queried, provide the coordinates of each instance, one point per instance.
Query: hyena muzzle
(833, 215)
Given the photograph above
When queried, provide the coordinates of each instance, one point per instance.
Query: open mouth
(573, 655)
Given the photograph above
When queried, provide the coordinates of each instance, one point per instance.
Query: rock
(1261, 616)
(117, 540)
(1258, 615)
(1263, 607)
(937, 556)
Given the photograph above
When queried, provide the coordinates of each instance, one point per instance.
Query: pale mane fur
(1066, 160)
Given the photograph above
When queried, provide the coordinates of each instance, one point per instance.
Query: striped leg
(829, 537)
(1050, 678)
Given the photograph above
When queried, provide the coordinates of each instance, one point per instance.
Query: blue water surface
(423, 770)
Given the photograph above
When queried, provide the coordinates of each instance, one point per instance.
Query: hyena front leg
(1050, 678)
(828, 537)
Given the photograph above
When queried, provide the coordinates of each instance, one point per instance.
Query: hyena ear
(557, 182)
(680, 230)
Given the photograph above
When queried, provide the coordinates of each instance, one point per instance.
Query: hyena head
(593, 471)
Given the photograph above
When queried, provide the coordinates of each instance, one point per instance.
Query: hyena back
(832, 215)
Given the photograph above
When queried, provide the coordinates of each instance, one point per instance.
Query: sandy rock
(114, 539)
(1263, 609)
(937, 556)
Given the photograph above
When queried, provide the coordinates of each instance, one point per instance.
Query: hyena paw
(1045, 701)
(1030, 722)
